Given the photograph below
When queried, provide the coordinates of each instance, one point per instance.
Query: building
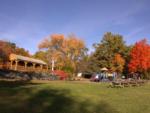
(22, 63)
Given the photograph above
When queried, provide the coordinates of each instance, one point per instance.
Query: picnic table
(117, 84)
(141, 82)
(134, 83)
(127, 83)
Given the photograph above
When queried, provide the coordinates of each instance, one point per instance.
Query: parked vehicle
(95, 78)
(104, 77)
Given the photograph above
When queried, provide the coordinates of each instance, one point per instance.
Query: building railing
(4, 65)
(22, 68)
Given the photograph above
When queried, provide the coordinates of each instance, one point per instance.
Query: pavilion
(22, 63)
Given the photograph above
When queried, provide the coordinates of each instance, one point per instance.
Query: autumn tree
(6, 48)
(105, 51)
(118, 63)
(53, 47)
(65, 51)
(140, 57)
(22, 51)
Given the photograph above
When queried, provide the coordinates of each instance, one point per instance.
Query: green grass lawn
(72, 97)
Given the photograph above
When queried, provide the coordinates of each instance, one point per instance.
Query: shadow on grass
(45, 100)
(13, 84)
(57, 101)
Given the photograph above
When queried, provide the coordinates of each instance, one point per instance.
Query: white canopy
(104, 69)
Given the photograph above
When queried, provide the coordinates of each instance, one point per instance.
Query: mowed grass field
(72, 97)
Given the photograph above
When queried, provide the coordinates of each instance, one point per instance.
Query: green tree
(105, 51)
(42, 55)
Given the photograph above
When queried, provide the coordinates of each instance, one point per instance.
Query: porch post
(16, 65)
(34, 65)
(25, 65)
(11, 63)
(47, 67)
(41, 66)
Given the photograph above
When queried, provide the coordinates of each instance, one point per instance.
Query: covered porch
(22, 63)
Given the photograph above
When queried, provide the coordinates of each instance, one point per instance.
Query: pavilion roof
(28, 59)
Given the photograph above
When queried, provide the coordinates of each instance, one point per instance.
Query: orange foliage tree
(6, 48)
(66, 51)
(119, 63)
(140, 57)
(22, 51)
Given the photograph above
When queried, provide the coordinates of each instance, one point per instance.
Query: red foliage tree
(140, 57)
(63, 75)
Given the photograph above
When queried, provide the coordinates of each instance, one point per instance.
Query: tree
(105, 51)
(65, 51)
(119, 63)
(22, 51)
(6, 48)
(83, 65)
(140, 57)
(41, 55)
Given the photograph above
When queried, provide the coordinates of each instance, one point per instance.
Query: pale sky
(27, 22)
